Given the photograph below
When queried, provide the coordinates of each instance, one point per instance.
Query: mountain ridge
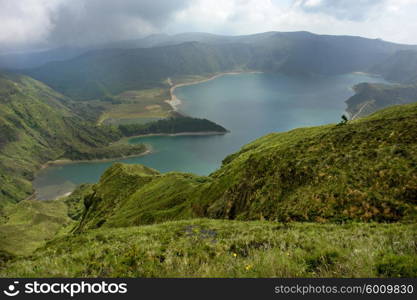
(101, 73)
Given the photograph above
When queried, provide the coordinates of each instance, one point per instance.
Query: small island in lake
(176, 124)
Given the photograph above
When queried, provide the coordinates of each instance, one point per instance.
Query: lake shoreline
(175, 102)
(58, 162)
(190, 133)
(62, 162)
(205, 153)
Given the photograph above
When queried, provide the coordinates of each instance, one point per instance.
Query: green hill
(364, 170)
(328, 201)
(37, 126)
(27, 225)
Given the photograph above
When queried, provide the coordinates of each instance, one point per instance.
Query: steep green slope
(364, 170)
(102, 73)
(35, 127)
(223, 248)
(370, 97)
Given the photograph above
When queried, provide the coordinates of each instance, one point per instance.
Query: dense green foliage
(172, 125)
(364, 171)
(370, 97)
(222, 248)
(36, 126)
(107, 72)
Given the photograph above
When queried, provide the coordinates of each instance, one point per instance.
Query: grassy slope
(362, 171)
(365, 171)
(28, 224)
(221, 248)
(36, 127)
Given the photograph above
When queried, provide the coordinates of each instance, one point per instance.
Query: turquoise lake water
(249, 105)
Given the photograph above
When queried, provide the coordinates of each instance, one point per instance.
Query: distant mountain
(101, 73)
(177, 123)
(370, 97)
(36, 126)
(400, 67)
(107, 72)
(35, 59)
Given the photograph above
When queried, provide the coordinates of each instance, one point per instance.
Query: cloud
(48, 23)
(81, 22)
(24, 22)
(392, 20)
(97, 21)
(356, 10)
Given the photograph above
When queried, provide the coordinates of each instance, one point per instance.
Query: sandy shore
(174, 101)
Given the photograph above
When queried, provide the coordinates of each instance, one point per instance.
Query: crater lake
(250, 105)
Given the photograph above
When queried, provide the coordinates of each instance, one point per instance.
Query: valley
(200, 155)
(272, 103)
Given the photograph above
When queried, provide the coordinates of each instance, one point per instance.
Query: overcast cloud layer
(29, 24)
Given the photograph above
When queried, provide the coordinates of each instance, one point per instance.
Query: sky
(41, 24)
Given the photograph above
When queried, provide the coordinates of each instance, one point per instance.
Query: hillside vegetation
(364, 170)
(328, 201)
(222, 248)
(36, 126)
(26, 225)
